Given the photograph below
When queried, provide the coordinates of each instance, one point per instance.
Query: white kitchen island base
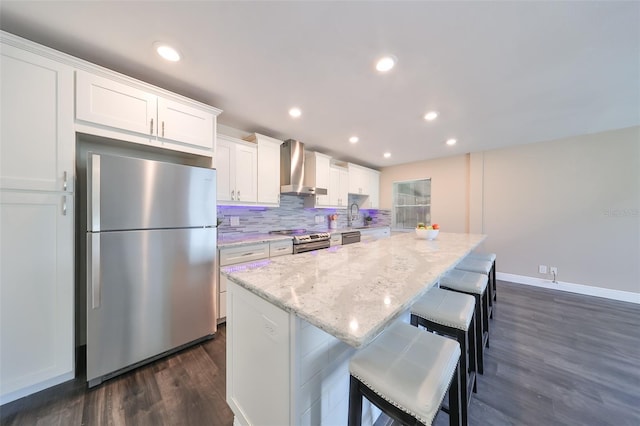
(283, 371)
(293, 322)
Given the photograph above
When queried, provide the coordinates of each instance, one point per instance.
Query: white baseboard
(29, 390)
(624, 296)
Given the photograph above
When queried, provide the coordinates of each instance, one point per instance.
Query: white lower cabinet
(374, 233)
(36, 292)
(243, 255)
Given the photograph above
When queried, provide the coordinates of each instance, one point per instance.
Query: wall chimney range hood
(292, 170)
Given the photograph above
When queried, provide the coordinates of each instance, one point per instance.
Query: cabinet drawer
(248, 253)
(280, 248)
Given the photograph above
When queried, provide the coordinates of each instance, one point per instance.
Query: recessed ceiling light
(354, 139)
(295, 112)
(387, 154)
(451, 142)
(385, 63)
(431, 115)
(167, 52)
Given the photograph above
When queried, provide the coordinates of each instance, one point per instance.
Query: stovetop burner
(302, 236)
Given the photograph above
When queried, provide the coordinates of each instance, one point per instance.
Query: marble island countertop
(352, 292)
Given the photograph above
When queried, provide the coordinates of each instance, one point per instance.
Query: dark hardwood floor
(555, 359)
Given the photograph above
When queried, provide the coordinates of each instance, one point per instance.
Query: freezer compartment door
(132, 193)
(147, 292)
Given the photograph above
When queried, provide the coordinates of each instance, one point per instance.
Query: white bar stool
(406, 372)
(451, 314)
(473, 284)
(490, 257)
(481, 267)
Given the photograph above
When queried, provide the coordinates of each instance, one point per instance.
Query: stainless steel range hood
(292, 170)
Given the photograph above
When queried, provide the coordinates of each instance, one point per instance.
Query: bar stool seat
(406, 372)
(445, 307)
(481, 267)
(451, 314)
(489, 257)
(474, 284)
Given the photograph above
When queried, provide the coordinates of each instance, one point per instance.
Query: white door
(246, 173)
(184, 123)
(37, 292)
(113, 104)
(268, 172)
(225, 175)
(37, 138)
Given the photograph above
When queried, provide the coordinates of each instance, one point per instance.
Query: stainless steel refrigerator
(151, 253)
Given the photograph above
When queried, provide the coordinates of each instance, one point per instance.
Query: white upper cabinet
(316, 174)
(123, 110)
(358, 180)
(184, 123)
(268, 169)
(103, 101)
(37, 139)
(374, 189)
(237, 171)
(339, 186)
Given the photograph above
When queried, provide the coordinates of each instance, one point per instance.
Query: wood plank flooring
(555, 359)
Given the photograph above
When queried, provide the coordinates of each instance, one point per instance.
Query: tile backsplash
(290, 215)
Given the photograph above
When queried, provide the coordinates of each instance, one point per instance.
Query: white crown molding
(81, 64)
(624, 296)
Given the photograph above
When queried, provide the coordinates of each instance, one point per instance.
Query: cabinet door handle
(238, 195)
(151, 127)
(64, 181)
(64, 205)
(233, 194)
(163, 129)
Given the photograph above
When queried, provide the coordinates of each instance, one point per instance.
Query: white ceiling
(499, 73)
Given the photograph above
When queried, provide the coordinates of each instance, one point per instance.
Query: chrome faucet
(351, 217)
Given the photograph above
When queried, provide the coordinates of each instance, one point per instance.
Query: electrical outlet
(553, 270)
(234, 220)
(542, 269)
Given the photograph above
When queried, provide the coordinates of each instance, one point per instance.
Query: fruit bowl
(427, 234)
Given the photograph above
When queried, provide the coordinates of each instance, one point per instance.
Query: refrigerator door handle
(93, 269)
(93, 198)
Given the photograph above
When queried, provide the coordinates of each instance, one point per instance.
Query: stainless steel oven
(304, 241)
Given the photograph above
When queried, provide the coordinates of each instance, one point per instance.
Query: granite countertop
(240, 240)
(352, 292)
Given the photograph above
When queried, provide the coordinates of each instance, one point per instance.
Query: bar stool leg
(355, 402)
(454, 399)
(495, 289)
(485, 301)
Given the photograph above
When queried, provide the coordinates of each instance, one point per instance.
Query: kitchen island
(294, 321)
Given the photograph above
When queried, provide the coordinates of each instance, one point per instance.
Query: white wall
(449, 189)
(572, 203)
